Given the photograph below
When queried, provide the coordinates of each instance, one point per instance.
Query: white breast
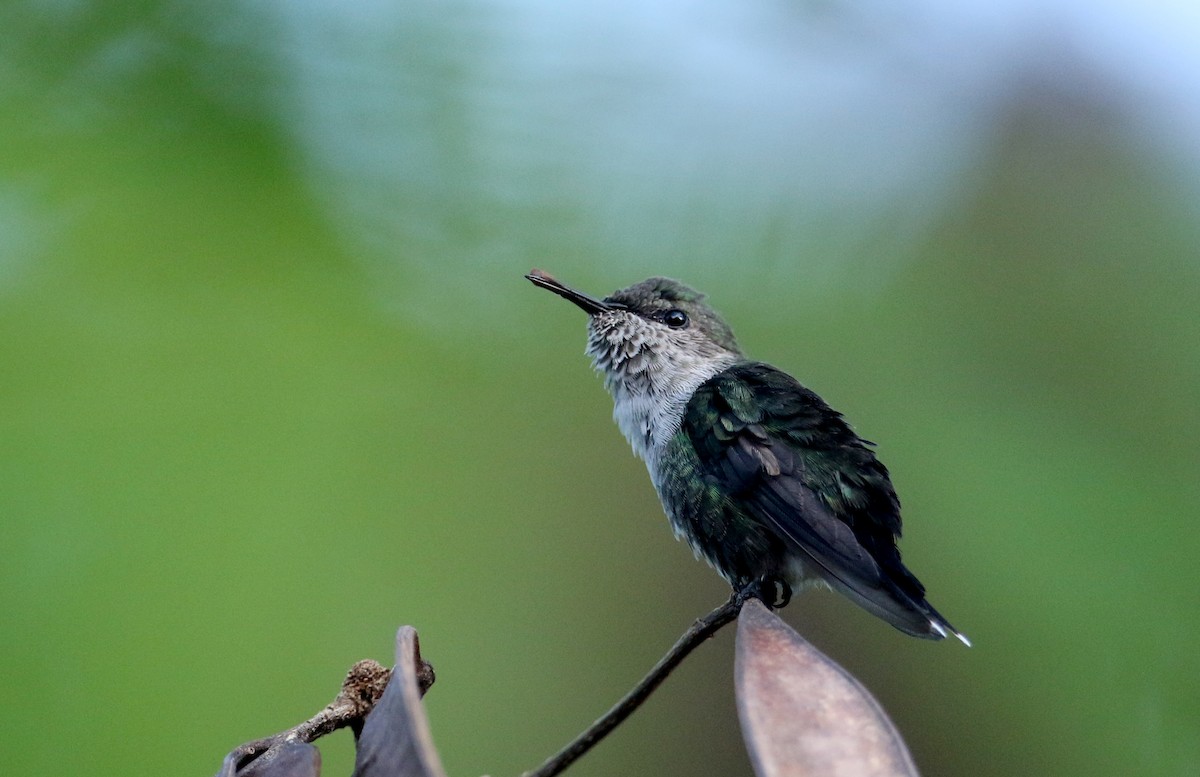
(649, 410)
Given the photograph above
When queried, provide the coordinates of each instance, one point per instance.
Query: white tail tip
(941, 632)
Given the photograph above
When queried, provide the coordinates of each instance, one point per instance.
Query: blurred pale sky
(487, 135)
(811, 113)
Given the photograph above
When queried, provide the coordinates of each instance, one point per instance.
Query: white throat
(648, 418)
(651, 385)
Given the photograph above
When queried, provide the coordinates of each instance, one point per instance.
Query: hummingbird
(763, 479)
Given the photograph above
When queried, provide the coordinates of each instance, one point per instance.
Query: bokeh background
(271, 382)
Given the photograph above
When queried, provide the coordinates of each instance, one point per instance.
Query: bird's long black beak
(590, 305)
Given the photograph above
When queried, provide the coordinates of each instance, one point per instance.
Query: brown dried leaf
(395, 740)
(802, 714)
(292, 759)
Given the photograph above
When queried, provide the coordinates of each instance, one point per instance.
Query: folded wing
(793, 464)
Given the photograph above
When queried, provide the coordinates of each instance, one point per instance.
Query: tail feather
(942, 626)
(917, 618)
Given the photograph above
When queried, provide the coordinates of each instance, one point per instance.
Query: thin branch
(362, 688)
(698, 632)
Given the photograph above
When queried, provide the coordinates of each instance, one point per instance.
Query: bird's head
(656, 335)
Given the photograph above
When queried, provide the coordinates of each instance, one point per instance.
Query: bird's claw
(772, 591)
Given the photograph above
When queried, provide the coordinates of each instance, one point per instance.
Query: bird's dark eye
(676, 319)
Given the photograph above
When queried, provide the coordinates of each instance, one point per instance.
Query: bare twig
(362, 688)
(698, 632)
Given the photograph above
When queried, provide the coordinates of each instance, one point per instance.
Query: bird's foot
(772, 591)
(776, 592)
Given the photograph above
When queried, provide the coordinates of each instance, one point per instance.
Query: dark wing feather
(791, 463)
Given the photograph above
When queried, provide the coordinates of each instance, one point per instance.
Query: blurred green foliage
(243, 437)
